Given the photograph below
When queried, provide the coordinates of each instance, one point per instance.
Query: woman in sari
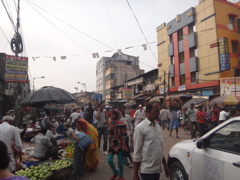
(92, 151)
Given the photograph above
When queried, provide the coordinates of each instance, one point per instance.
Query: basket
(61, 174)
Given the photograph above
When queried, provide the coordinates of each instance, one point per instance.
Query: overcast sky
(78, 28)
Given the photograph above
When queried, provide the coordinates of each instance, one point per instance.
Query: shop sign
(127, 94)
(224, 57)
(230, 86)
(149, 87)
(182, 88)
(194, 93)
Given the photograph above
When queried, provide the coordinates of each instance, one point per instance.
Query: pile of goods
(70, 150)
(173, 103)
(44, 169)
(35, 172)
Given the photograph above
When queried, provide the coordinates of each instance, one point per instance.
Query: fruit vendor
(44, 149)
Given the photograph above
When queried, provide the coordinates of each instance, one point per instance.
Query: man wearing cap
(9, 133)
(139, 115)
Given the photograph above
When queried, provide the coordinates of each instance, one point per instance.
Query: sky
(78, 28)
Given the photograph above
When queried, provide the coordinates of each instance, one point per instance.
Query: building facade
(199, 47)
(114, 71)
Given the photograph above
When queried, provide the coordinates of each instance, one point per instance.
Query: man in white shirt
(164, 117)
(148, 146)
(45, 123)
(192, 120)
(73, 117)
(223, 115)
(9, 133)
(43, 148)
(95, 121)
(139, 115)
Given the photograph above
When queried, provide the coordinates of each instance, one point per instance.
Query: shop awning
(138, 96)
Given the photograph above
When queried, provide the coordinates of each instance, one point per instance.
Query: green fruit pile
(35, 172)
(59, 164)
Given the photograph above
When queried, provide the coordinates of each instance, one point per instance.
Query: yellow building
(199, 47)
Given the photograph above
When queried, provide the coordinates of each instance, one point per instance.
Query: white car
(214, 156)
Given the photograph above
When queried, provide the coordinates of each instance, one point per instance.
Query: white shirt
(95, 113)
(148, 147)
(9, 133)
(49, 134)
(127, 121)
(139, 115)
(223, 116)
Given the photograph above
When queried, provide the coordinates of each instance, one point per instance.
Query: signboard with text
(16, 69)
(230, 86)
(224, 58)
(127, 94)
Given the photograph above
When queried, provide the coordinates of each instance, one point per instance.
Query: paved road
(103, 172)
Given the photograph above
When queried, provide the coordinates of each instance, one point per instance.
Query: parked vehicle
(215, 156)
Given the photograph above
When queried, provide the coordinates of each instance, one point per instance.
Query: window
(172, 59)
(193, 77)
(192, 52)
(180, 35)
(191, 28)
(232, 19)
(112, 76)
(170, 38)
(172, 81)
(234, 47)
(182, 79)
(227, 139)
(181, 57)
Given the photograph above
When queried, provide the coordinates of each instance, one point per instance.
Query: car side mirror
(202, 143)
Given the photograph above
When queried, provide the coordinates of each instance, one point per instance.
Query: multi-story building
(199, 47)
(114, 71)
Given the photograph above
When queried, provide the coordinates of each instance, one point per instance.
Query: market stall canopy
(227, 100)
(130, 103)
(196, 101)
(48, 94)
(156, 98)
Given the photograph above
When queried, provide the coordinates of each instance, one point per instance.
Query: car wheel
(178, 172)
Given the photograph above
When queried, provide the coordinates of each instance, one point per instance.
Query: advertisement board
(224, 57)
(127, 94)
(230, 86)
(16, 69)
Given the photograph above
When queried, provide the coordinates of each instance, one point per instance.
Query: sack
(85, 140)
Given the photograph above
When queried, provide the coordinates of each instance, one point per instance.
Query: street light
(76, 89)
(83, 84)
(37, 78)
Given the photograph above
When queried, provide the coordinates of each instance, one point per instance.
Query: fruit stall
(47, 170)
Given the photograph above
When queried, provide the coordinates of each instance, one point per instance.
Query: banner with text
(16, 69)
(127, 94)
(230, 86)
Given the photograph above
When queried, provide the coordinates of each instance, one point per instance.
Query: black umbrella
(194, 101)
(48, 94)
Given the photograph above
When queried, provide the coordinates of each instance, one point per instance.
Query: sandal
(114, 176)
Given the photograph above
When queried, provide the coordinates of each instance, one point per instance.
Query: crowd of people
(133, 135)
(197, 118)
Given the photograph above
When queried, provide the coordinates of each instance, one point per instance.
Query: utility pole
(168, 89)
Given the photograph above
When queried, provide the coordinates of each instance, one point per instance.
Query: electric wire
(110, 23)
(5, 35)
(12, 22)
(72, 26)
(141, 30)
(83, 47)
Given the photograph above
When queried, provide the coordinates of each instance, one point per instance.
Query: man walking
(89, 113)
(148, 146)
(139, 115)
(102, 128)
(164, 117)
(73, 117)
(192, 120)
(45, 123)
(9, 133)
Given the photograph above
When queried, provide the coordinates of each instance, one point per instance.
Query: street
(103, 172)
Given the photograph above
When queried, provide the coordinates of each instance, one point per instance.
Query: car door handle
(236, 164)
